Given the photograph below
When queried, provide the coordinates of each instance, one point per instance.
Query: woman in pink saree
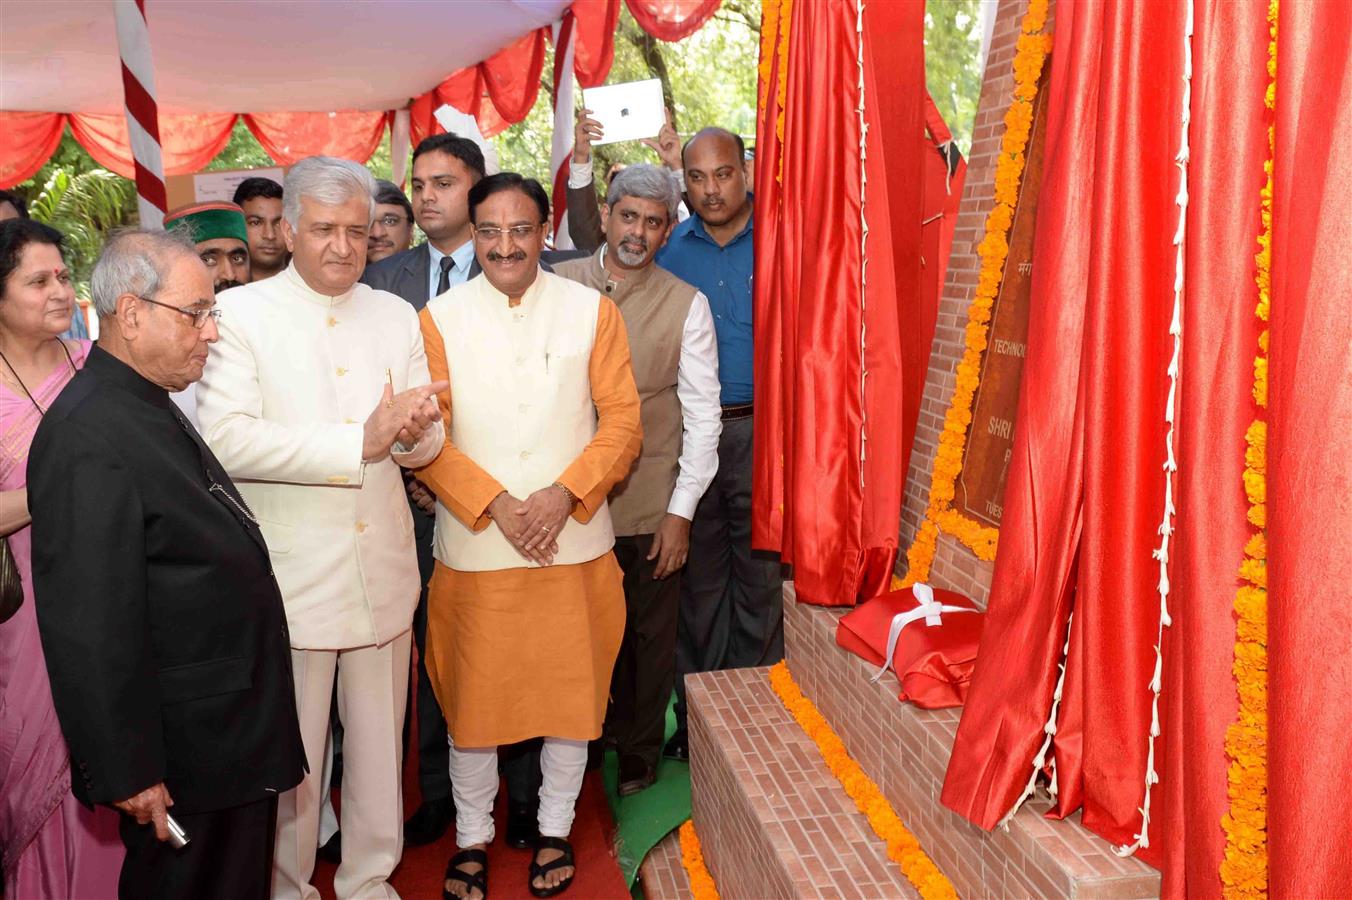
(52, 846)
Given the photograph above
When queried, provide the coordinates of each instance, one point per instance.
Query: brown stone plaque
(980, 487)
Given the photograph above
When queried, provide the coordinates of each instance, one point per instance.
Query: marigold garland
(902, 846)
(1029, 59)
(692, 858)
(1244, 867)
(776, 15)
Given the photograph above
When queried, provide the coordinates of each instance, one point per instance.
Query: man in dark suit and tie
(164, 635)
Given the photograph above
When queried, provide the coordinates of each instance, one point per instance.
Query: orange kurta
(528, 652)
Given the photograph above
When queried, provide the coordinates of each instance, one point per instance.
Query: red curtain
(594, 27)
(290, 137)
(831, 513)
(188, 142)
(1033, 584)
(1116, 306)
(1229, 145)
(943, 198)
(512, 76)
(27, 140)
(1085, 487)
(1309, 513)
(672, 20)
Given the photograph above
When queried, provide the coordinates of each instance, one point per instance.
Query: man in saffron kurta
(526, 607)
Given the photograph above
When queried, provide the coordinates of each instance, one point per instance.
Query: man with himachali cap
(221, 237)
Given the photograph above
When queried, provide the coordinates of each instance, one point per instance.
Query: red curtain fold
(1033, 584)
(27, 140)
(188, 141)
(1124, 383)
(512, 76)
(595, 22)
(1309, 486)
(290, 137)
(672, 20)
(1090, 439)
(939, 222)
(831, 513)
(1229, 144)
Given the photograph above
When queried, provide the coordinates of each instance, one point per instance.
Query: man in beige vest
(526, 605)
(675, 362)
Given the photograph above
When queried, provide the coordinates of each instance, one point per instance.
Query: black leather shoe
(331, 852)
(429, 822)
(678, 747)
(523, 829)
(635, 775)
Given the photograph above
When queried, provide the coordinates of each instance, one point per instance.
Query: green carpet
(643, 819)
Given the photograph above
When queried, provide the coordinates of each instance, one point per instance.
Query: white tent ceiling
(250, 56)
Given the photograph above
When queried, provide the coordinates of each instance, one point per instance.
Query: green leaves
(83, 206)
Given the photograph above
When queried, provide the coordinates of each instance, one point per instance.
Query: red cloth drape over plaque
(832, 365)
(1084, 491)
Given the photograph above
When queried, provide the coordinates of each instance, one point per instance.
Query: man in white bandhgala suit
(314, 397)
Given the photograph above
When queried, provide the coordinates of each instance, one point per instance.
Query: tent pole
(143, 129)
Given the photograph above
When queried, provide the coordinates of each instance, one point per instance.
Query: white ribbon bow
(928, 609)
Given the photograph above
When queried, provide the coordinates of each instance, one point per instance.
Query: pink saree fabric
(53, 847)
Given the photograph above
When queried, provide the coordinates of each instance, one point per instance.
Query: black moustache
(495, 256)
(226, 285)
(640, 246)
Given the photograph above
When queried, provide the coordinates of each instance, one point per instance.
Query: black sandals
(537, 870)
(477, 881)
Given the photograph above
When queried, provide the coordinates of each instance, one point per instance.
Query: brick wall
(955, 567)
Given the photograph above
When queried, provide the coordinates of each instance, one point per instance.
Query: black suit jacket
(407, 273)
(162, 625)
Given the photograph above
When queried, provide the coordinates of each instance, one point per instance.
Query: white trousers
(474, 782)
(372, 696)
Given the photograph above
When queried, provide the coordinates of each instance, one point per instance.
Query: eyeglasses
(391, 220)
(489, 234)
(199, 316)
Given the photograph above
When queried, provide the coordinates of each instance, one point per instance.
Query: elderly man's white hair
(646, 181)
(326, 180)
(135, 262)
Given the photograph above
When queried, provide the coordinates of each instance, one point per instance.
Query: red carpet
(598, 876)
(419, 876)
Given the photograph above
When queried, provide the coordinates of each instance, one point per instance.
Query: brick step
(662, 874)
(773, 821)
(905, 750)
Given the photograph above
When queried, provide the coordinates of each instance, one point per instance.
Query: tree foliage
(83, 206)
(952, 64)
(709, 79)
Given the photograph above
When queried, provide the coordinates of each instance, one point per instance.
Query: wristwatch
(572, 498)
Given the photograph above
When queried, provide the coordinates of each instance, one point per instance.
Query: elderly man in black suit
(445, 167)
(164, 634)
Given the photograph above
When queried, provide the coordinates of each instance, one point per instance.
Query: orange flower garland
(692, 858)
(902, 846)
(1029, 59)
(776, 15)
(1244, 868)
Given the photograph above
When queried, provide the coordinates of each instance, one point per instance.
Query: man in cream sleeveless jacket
(526, 607)
(675, 362)
(315, 395)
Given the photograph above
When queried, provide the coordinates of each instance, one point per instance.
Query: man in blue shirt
(731, 608)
